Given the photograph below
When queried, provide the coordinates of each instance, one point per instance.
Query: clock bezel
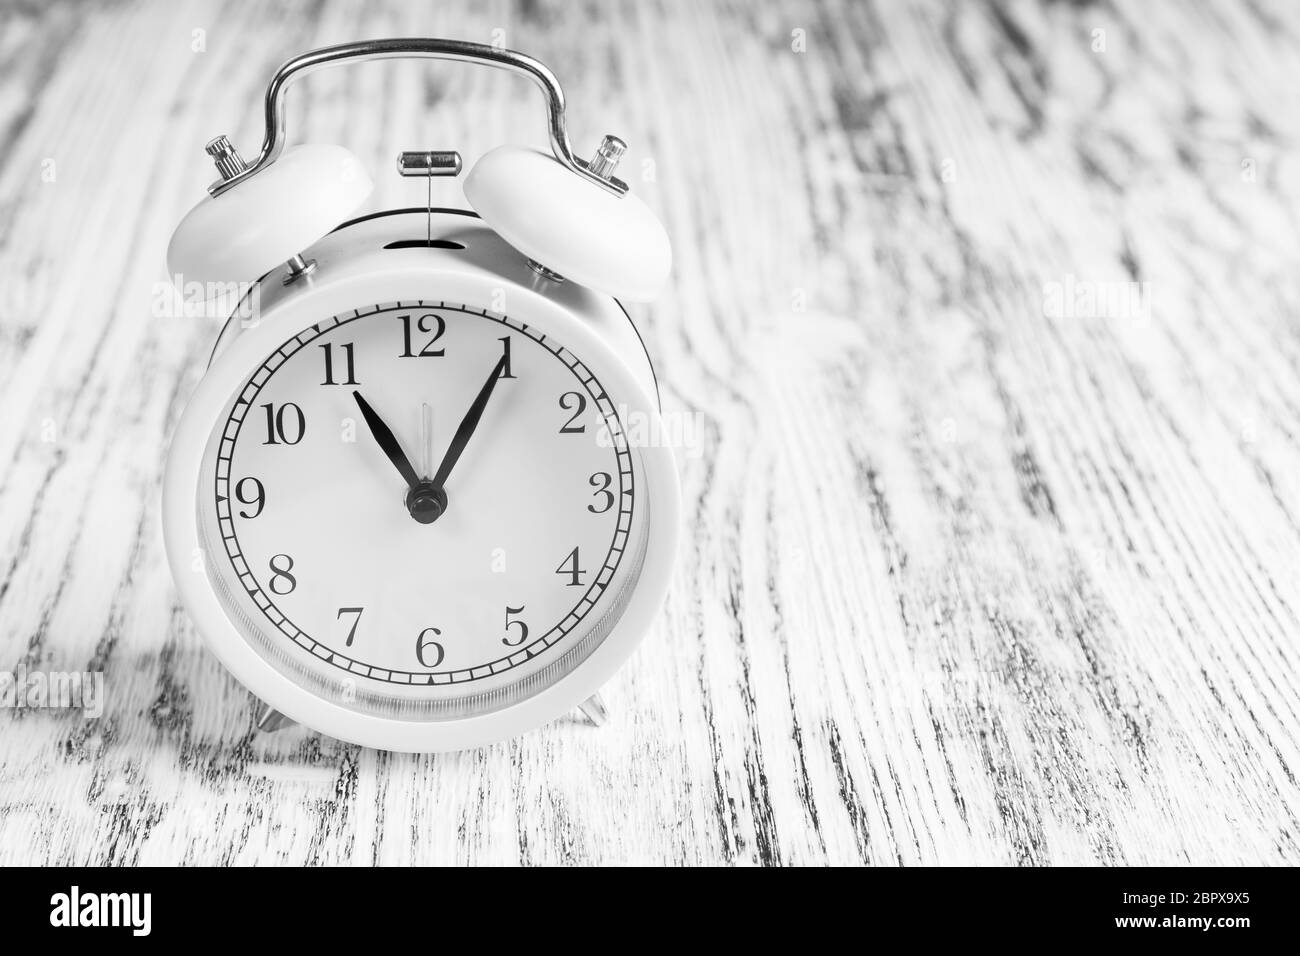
(371, 278)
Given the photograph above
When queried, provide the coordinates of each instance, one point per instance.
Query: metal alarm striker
(299, 193)
(570, 218)
(234, 169)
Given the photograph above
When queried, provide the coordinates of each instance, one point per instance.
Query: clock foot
(270, 720)
(593, 708)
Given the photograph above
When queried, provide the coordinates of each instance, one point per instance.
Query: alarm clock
(410, 504)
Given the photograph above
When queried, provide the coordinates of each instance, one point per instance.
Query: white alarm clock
(406, 506)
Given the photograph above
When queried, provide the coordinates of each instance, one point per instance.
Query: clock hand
(426, 440)
(467, 425)
(387, 441)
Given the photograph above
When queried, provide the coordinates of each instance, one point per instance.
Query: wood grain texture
(978, 570)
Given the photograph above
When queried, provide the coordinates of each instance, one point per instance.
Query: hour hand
(387, 441)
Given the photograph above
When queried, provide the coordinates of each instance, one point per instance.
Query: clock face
(422, 510)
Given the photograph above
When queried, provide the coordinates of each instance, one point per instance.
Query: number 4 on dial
(570, 567)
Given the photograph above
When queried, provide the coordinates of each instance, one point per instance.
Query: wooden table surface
(986, 314)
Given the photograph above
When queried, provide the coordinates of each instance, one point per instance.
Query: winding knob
(229, 163)
(608, 154)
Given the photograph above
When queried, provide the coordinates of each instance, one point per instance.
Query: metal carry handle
(234, 170)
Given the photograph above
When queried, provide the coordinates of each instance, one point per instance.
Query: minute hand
(466, 429)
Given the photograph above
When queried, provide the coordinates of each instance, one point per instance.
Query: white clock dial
(326, 558)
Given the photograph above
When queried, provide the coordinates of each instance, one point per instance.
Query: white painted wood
(976, 571)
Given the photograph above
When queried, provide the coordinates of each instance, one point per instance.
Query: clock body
(288, 529)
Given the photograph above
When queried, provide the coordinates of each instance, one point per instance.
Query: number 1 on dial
(505, 351)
